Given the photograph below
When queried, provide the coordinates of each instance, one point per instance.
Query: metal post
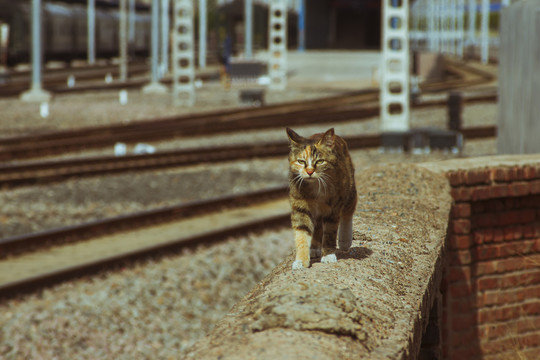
(123, 37)
(277, 44)
(183, 54)
(471, 38)
(164, 66)
(395, 66)
(91, 44)
(202, 34)
(302, 26)
(155, 87)
(36, 92)
(248, 28)
(460, 19)
(485, 32)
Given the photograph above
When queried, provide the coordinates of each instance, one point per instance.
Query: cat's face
(311, 159)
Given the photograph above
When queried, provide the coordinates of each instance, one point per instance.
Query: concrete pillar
(395, 66)
(183, 54)
(36, 92)
(277, 44)
(155, 87)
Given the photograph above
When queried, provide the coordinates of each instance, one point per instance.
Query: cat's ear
(328, 138)
(294, 138)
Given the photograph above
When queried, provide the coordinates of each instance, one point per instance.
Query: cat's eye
(319, 162)
(301, 162)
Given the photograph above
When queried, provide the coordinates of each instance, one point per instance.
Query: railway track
(41, 172)
(36, 260)
(349, 106)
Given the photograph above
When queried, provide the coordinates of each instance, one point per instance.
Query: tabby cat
(322, 195)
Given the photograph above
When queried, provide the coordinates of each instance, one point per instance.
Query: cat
(322, 194)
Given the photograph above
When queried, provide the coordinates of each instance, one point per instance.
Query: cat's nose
(310, 171)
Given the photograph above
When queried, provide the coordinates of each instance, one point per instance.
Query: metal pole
(164, 66)
(471, 39)
(131, 29)
(123, 37)
(202, 34)
(36, 92)
(485, 31)
(155, 86)
(302, 26)
(248, 28)
(91, 44)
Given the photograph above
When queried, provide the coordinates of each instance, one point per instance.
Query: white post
(395, 66)
(91, 43)
(277, 44)
(485, 31)
(36, 92)
(460, 18)
(123, 40)
(155, 87)
(164, 65)
(248, 28)
(202, 33)
(471, 38)
(183, 54)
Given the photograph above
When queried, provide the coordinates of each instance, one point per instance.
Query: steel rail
(41, 172)
(30, 246)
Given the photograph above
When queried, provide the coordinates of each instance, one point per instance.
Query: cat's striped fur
(322, 195)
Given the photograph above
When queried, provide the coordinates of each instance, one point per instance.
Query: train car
(64, 30)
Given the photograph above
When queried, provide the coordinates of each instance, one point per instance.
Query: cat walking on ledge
(322, 194)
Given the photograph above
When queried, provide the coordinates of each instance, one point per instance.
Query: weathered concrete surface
(372, 304)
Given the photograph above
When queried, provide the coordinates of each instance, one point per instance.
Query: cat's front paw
(328, 259)
(297, 264)
(315, 253)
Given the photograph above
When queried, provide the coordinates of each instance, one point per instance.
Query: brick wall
(491, 286)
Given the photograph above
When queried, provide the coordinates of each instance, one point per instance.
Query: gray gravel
(155, 309)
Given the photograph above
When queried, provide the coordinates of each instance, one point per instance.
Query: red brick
(534, 187)
(460, 257)
(484, 253)
(501, 175)
(530, 173)
(486, 268)
(498, 191)
(461, 193)
(519, 189)
(463, 289)
(487, 283)
(512, 264)
(461, 226)
(461, 210)
(498, 235)
(477, 207)
(463, 322)
(529, 278)
(457, 273)
(455, 178)
(473, 177)
(460, 242)
(481, 193)
(484, 220)
(527, 324)
(531, 308)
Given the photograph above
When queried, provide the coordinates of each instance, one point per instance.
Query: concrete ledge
(373, 303)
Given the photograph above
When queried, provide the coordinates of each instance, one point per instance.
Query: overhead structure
(164, 63)
(183, 54)
(394, 87)
(277, 44)
(123, 40)
(202, 33)
(36, 92)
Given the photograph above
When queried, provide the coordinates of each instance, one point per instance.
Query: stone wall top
(372, 304)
